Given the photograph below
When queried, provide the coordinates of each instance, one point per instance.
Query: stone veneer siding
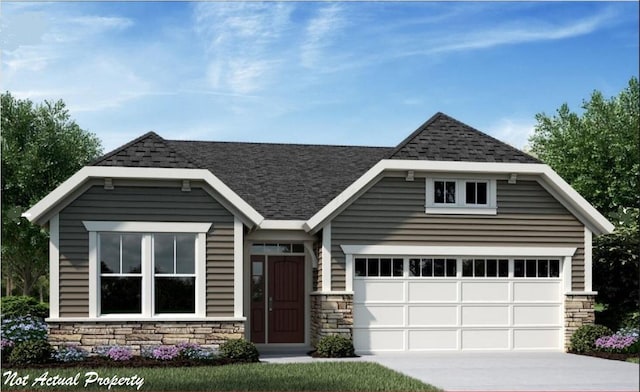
(137, 334)
(331, 314)
(578, 311)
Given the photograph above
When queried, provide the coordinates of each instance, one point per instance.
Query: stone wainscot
(331, 314)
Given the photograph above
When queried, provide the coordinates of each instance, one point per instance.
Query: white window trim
(326, 258)
(148, 228)
(460, 206)
(54, 266)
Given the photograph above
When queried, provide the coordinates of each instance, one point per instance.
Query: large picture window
(147, 269)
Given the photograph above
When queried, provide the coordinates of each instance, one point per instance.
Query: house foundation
(138, 334)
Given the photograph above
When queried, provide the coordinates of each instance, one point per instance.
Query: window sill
(461, 211)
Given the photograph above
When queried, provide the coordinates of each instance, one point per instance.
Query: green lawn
(634, 360)
(317, 376)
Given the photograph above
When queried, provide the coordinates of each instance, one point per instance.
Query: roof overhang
(548, 178)
(49, 203)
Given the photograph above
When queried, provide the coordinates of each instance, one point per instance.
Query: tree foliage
(41, 147)
(598, 151)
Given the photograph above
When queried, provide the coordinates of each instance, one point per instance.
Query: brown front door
(282, 301)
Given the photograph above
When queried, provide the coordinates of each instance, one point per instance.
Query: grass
(317, 376)
(634, 359)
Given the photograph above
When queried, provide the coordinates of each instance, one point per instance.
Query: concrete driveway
(504, 371)
(529, 371)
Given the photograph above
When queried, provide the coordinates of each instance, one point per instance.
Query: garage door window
(490, 268)
(372, 267)
(432, 267)
(536, 268)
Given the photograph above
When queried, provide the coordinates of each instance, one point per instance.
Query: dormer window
(461, 196)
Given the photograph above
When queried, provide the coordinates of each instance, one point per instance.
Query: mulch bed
(605, 355)
(135, 362)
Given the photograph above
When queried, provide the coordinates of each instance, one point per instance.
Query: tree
(598, 153)
(41, 147)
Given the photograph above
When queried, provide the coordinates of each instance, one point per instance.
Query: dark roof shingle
(294, 181)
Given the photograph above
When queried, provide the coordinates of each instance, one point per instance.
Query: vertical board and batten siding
(142, 203)
(392, 212)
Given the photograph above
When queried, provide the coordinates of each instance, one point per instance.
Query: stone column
(578, 311)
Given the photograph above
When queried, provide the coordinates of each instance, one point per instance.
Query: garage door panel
(378, 291)
(378, 316)
(536, 291)
(485, 291)
(378, 340)
(536, 339)
(485, 315)
(485, 339)
(433, 340)
(433, 315)
(430, 291)
(536, 315)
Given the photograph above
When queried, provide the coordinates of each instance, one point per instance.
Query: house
(452, 240)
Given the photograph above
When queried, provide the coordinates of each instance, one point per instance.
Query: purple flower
(119, 353)
(5, 343)
(165, 353)
(615, 343)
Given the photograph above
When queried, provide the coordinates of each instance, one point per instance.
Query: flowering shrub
(165, 353)
(626, 340)
(23, 329)
(7, 346)
(70, 354)
(116, 353)
(189, 350)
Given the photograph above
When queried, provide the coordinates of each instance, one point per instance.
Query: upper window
(460, 196)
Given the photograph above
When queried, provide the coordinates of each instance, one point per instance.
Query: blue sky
(365, 73)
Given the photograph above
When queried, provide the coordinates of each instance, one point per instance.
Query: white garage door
(431, 303)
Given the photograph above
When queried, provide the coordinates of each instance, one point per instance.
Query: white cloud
(320, 32)
(514, 131)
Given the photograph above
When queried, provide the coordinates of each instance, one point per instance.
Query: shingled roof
(294, 181)
(443, 138)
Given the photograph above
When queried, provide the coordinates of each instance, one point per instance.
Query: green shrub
(239, 350)
(35, 351)
(335, 346)
(584, 339)
(22, 305)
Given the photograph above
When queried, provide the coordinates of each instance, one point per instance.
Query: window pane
(120, 295)
(257, 289)
(503, 270)
(467, 267)
(257, 268)
(284, 248)
(543, 268)
(438, 195)
(110, 253)
(185, 253)
(257, 248)
(175, 295)
(131, 253)
(481, 193)
(554, 268)
(385, 267)
(438, 267)
(492, 268)
(297, 248)
(518, 268)
(531, 268)
(451, 267)
(426, 265)
(471, 193)
(451, 192)
(414, 267)
(271, 248)
(398, 267)
(163, 253)
(479, 267)
(372, 267)
(361, 267)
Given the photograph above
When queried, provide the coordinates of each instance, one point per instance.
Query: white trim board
(49, 202)
(506, 251)
(147, 227)
(586, 213)
(54, 266)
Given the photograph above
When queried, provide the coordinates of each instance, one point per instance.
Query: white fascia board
(506, 251)
(145, 173)
(269, 224)
(596, 221)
